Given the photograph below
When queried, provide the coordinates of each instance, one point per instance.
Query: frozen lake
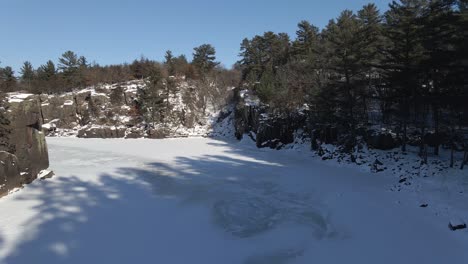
(207, 201)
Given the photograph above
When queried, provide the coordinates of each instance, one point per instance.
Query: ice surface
(200, 200)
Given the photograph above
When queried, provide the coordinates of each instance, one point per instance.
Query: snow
(45, 174)
(68, 102)
(200, 200)
(48, 126)
(249, 98)
(18, 97)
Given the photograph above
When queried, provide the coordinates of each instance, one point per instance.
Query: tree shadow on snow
(135, 215)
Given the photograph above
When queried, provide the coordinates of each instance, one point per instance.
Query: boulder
(383, 141)
(101, 132)
(134, 133)
(61, 108)
(46, 174)
(157, 133)
(10, 176)
(377, 166)
(456, 224)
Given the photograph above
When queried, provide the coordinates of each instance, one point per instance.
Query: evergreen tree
(47, 71)
(404, 56)
(440, 33)
(69, 62)
(8, 79)
(307, 38)
(204, 59)
(71, 67)
(266, 87)
(169, 62)
(27, 74)
(151, 97)
(142, 68)
(262, 53)
(372, 43)
(5, 129)
(343, 52)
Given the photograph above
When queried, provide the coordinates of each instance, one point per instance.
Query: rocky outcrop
(10, 176)
(247, 119)
(267, 129)
(113, 111)
(102, 132)
(27, 154)
(383, 141)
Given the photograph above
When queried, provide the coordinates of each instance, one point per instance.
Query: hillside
(112, 111)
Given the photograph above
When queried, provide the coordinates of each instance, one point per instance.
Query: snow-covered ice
(199, 200)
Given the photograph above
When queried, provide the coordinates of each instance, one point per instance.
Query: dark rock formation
(247, 119)
(323, 134)
(10, 176)
(456, 224)
(102, 132)
(268, 130)
(134, 133)
(279, 130)
(27, 154)
(383, 141)
(157, 133)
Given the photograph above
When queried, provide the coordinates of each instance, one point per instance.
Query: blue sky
(113, 31)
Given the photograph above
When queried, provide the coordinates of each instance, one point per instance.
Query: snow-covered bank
(201, 200)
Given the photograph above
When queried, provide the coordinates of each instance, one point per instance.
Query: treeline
(73, 71)
(404, 68)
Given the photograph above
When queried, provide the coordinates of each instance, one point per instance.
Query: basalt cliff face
(267, 129)
(112, 111)
(23, 148)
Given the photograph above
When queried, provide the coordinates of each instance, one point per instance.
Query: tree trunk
(451, 155)
(403, 145)
(452, 148)
(351, 115)
(422, 146)
(465, 157)
(436, 128)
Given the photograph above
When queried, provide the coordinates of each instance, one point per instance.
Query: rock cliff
(111, 111)
(266, 129)
(23, 152)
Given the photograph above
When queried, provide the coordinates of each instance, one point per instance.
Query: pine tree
(151, 97)
(71, 65)
(404, 56)
(5, 129)
(343, 50)
(69, 62)
(266, 87)
(47, 71)
(169, 62)
(7, 79)
(27, 74)
(372, 43)
(204, 59)
(439, 36)
(264, 53)
(307, 38)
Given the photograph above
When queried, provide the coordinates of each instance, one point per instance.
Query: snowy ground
(204, 201)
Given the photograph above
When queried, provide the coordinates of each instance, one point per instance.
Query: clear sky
(116, 31)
